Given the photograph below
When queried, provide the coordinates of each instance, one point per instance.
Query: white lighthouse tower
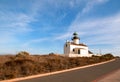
(75, 48)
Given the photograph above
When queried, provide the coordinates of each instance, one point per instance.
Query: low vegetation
(24, 64)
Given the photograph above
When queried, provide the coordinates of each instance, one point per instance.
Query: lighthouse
(75, 48)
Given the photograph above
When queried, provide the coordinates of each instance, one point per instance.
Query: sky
(43, 26)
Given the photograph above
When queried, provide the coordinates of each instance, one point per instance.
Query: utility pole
(100, 52)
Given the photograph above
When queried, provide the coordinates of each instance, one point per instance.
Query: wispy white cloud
(76, 25)
(90, 4)
(63, 36)
(67, 35)
(14, 23)
(104, 28)
(97, 31)
(34, 41)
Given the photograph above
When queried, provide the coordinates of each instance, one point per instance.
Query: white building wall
(75, 46)
(66, 49)
(83, 51)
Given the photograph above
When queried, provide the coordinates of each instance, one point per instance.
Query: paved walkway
(114, 77)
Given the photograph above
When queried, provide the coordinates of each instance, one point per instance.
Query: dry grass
(12, 66)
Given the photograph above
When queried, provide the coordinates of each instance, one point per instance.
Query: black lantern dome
(75, 36)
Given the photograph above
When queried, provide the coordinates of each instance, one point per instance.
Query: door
(79, 51)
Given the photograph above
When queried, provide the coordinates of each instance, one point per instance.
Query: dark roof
(90, 52)
(75, 37)
(78, 44)
(75, 33)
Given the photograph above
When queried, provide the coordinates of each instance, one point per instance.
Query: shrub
(22, 54)
(23, 65)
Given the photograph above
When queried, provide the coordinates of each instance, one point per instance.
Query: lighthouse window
(78, 51)
(73, 50)
(66, 45)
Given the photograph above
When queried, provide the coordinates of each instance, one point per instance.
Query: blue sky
(43, 26)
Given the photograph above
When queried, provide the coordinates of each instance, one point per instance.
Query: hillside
(13, 66)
